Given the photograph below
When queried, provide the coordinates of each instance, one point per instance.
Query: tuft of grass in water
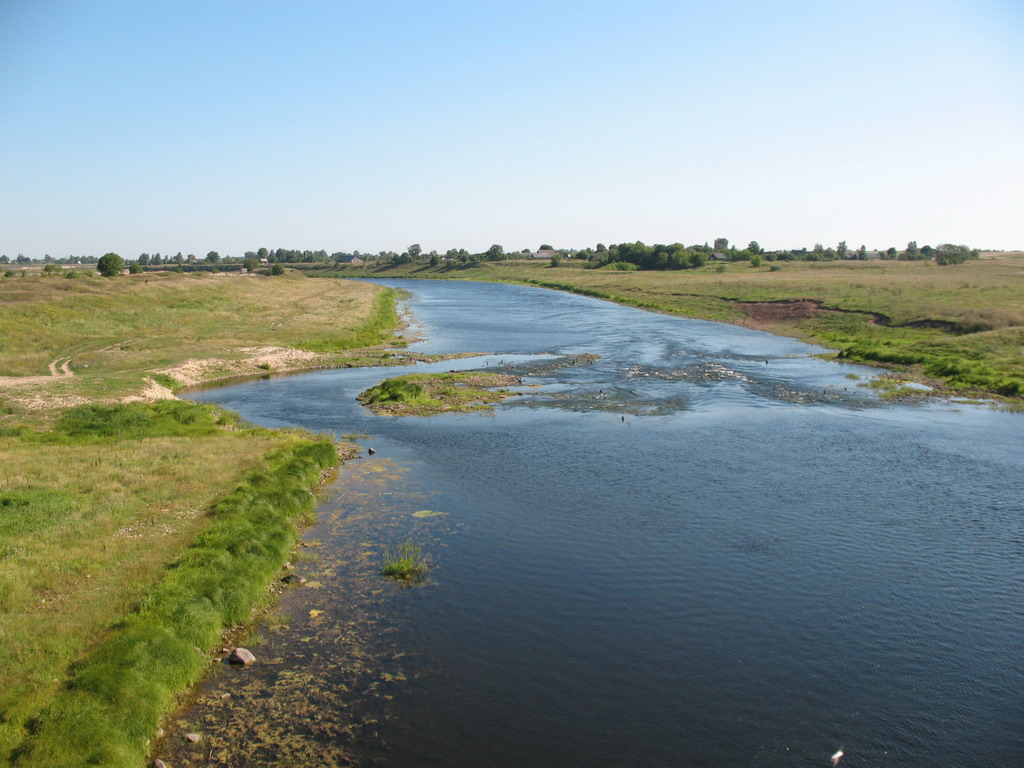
(405, 564)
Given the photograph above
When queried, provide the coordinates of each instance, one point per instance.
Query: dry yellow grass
(121, 331)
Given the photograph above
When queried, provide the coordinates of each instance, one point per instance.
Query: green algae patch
(429, 394)
(428, 513)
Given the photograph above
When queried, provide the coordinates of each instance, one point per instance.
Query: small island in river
(428, 394)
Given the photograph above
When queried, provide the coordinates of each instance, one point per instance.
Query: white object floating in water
(837, 757)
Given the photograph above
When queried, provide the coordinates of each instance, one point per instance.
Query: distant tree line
(627, 256)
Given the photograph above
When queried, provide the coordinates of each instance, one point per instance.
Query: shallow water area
(702, 546)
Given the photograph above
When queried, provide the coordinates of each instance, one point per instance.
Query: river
(707, 547)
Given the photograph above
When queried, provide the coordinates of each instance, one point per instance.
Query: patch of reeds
(407, 563)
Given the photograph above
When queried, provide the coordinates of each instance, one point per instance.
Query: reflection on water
(697, 545)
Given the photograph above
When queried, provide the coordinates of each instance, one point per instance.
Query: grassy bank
(961, 326)
(132, 529)
(100, 338)
(111, 704)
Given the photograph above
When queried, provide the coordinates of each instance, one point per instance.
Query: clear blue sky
(195, 126)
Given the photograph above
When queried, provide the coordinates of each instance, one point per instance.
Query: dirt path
(61, 367)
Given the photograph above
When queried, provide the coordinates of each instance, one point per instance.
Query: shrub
(110, 264)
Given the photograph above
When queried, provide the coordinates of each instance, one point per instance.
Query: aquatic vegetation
(405, 564)
(430, 394)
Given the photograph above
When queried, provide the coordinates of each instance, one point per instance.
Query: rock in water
(158, 763)
(370, 451)
(241, 657)
(293, 578)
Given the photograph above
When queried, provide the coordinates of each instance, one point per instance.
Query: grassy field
(176, 329)
(102, 489)
(961, 326)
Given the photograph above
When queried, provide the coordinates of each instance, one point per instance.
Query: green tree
(495, 252)
(134, 269)
(755, 248)
(755, 260)
(545, 247)
(556, 259)
(434, 260)
(110, 264)
(277, 269)
(143, 259)
(721, 243)
(415, 251)
(842, 249)
(213, 257)
(251, 263)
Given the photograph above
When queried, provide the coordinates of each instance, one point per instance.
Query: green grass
(130, 532)
(113, 701)
(91, 513)
(116, 332)
(426, 394)
(406, 564)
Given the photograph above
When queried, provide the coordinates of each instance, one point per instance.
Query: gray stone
(293, 578)
(193, 737)
(241, 657)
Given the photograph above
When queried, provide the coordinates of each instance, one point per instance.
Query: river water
(704, 548)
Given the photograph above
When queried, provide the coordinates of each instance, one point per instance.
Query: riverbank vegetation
(135, 527)
(132, 333)
(959, 327)
(429, 394)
